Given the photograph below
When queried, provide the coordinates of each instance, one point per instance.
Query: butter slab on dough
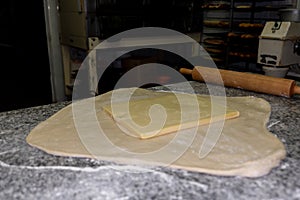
(139, 114)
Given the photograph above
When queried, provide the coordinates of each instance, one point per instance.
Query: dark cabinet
(25, 72)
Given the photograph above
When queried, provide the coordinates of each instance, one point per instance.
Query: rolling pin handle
(185, 71)
(296, 90)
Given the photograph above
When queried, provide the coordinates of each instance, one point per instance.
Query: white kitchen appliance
(279, 47)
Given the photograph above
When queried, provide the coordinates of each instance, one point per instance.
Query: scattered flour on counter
(127, 169)
(131, 169)
(6, 132)
(199, 185)
(272, 124)
(10, 151)
(285, 165)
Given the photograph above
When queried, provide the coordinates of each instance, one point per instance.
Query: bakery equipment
(252, 82)
(279, 47)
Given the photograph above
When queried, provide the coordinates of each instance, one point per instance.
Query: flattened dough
(139, 114)
(245, 147)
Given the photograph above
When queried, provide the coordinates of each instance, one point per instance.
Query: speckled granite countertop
(28, 173)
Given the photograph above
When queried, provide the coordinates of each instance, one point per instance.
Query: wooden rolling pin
(252, 82)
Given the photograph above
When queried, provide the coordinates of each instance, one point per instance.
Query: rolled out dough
(245, 147)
